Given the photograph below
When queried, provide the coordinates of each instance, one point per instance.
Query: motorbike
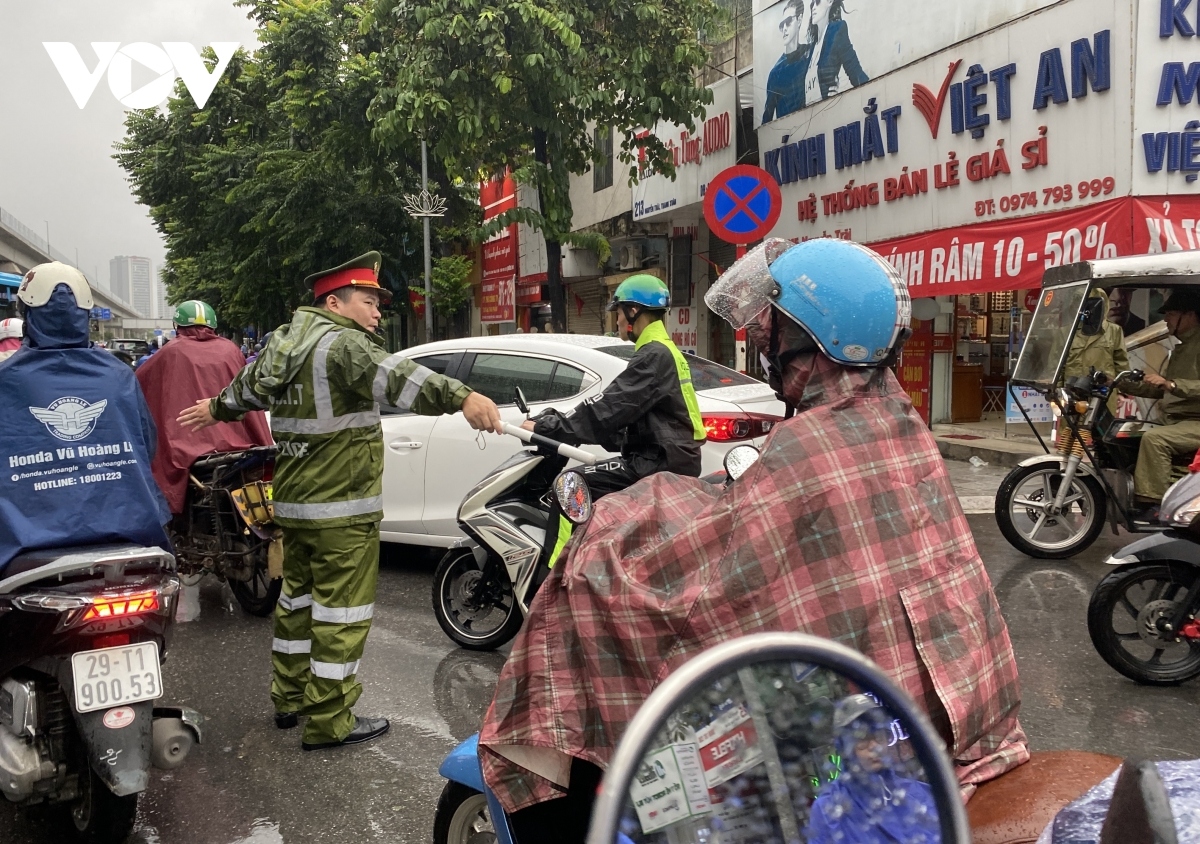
(227, 529)
(1142, 616)
(780, 737)
(1053, 506)
(484, 584)
(84, 632)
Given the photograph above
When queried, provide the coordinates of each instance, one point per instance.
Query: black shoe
(1146, 515)
(365, 729)
(286, 720)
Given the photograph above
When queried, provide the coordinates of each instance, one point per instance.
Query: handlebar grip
(571, 452)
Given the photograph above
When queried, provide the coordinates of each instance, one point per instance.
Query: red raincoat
(846, 528)
(196, 365)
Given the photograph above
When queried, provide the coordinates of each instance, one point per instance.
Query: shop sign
(1036, 405)
(1166, 78)
(870, 39)
(698, 157)
(669, 787)
(682, 326)
(529, 289)
(916, 367)
(998, 127)
(499, 266)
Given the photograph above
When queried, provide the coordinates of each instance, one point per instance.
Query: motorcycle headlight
(1181, 504)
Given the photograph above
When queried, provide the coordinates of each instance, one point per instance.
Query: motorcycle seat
(1014, 808)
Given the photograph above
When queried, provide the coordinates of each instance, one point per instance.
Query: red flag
(579, 303)
(416, 298)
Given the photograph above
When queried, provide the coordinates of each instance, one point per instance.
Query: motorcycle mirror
(739, 459)
(788, 737)
(519, 399)
(574, 497)
(1091, 318)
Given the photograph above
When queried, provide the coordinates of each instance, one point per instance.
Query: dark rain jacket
(78, 440)
(648, 412)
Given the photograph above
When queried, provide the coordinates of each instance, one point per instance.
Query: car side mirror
(739, 459)
(519, 399)
(785, 733)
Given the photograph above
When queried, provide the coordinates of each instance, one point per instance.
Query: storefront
(674, 210)
(499, 253)
(1002, 139)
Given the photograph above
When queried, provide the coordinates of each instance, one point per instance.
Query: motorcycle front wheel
(1124, 616)
(258, 595)
(99, 816)
(477, 615)
(462, 817)
(1021, 505)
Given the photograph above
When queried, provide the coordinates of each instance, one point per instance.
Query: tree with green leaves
(278, 176)
(518, 84)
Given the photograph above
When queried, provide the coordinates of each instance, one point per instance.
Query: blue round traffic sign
(742, 204)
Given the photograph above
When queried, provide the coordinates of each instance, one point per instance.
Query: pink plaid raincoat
(846, 528)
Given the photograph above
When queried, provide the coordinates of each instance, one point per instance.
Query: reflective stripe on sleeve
(330, 510)
(412, 384)
(291, 646)
(287, 425)
(342, 615)
(321, 398)
(231, 401)
(250, 399)
(297, 603)
(333, 670)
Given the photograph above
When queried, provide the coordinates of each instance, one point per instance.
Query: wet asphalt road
(251, 784)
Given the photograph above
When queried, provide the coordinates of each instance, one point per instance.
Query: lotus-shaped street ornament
(424, 204)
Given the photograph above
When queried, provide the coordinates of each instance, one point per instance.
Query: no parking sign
(742, 204)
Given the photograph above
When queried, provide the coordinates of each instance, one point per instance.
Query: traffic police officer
(323, 378)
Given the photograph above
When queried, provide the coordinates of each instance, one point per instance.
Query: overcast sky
(55, 159)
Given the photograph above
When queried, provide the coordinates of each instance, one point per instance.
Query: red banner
(499, 270)
(529, 289)
(916, 367)
(1014, 254)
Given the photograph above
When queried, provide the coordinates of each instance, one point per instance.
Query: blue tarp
(77, 443)
(10, 280)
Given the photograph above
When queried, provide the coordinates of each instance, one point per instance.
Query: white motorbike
(484, 584)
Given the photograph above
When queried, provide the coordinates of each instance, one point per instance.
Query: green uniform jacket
(323, 378)
(1184, 369)
(1106, 352)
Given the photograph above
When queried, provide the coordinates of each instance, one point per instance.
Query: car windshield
(706, 375)
(1049, 336)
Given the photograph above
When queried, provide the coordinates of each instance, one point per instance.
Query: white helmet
(40, 282)
(10, 329)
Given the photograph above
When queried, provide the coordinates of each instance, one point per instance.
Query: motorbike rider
(324, 377)
(197, 364)
(649, 412)
(847, 527)
(78, 436)
(1178, 388)
(1099, 345)
(10, 337)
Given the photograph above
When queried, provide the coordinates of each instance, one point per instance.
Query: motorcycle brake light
(112, 640)
(116, 606)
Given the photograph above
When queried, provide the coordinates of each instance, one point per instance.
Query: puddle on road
(262, 831)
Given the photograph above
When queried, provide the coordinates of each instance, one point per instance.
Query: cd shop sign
(698, 157)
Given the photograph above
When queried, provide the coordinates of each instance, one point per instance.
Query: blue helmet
(852, 303)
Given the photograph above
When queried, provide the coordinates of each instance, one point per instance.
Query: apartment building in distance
(130, 279)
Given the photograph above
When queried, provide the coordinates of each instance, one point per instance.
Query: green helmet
(195, 312)
(644, 290)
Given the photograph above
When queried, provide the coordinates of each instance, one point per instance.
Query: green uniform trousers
(1159, 446)
(321, 625)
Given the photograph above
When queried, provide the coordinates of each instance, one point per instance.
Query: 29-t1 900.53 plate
(116, 676)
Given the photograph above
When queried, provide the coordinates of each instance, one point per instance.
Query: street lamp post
(426, 205)
(47, 222)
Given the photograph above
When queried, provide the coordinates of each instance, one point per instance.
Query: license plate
(116, 676)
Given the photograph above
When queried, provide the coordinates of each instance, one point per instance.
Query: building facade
(131, 280)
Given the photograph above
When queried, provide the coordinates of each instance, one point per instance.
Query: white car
(430, 462)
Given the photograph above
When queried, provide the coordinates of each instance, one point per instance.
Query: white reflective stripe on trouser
(333, 670)
(330, 510)
(291, 646)
(342, 615)
(297, 603)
